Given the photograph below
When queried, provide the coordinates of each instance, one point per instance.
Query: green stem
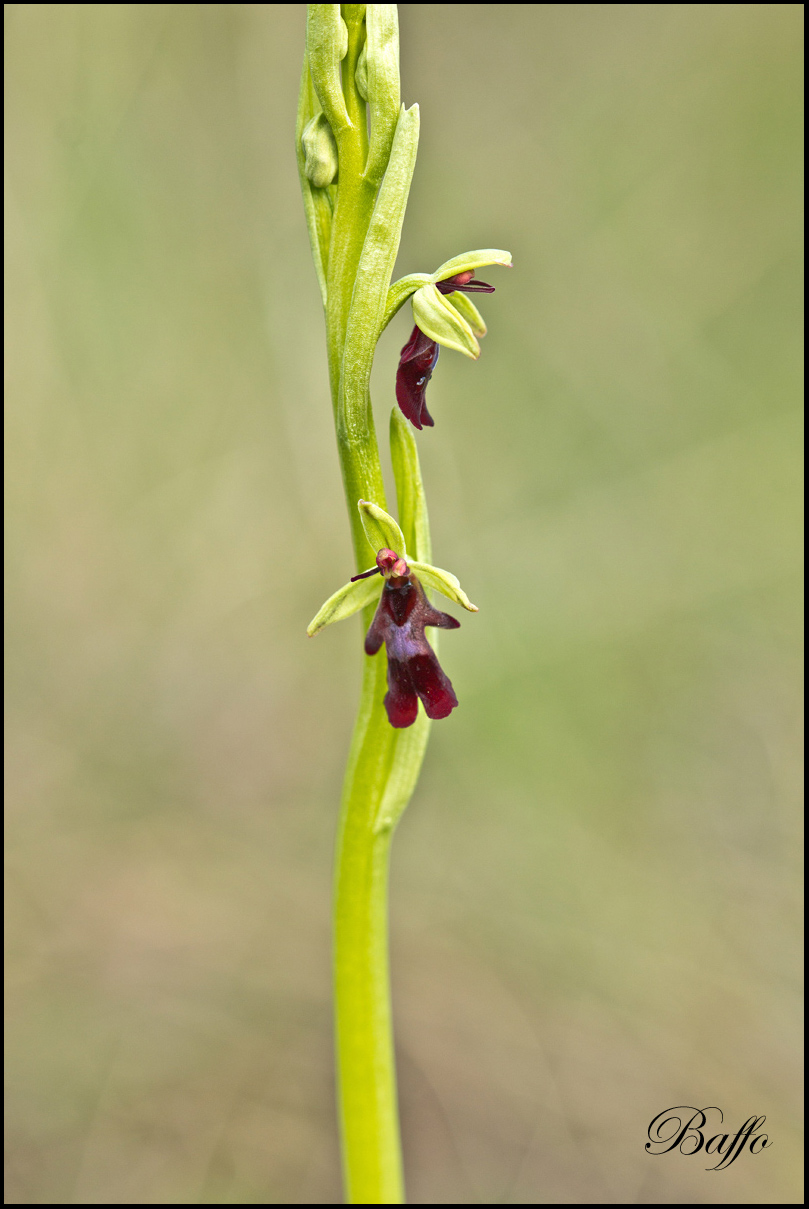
(374, 779)
(366, 1066)
(354, 244)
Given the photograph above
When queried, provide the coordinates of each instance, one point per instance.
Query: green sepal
(472, 260)
(442, 581)
(381, 529)
(345, 602)
(464, 304)
(410, 499)
(320, 151)
(381, 52)
(443, 322)
(326, 47)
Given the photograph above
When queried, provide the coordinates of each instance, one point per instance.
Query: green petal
(345, 602)
(443, 322)
(472, 260)
(442, 581)
(381, 529)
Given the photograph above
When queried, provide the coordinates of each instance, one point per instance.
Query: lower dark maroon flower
(414, 672)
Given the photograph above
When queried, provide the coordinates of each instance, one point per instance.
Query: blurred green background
(595, 891)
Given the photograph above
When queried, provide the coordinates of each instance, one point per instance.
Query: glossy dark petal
(416, 364)
(413, 668)
(464, 282)
(476, 287)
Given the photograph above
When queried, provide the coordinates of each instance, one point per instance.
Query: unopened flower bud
(320, 151)
(361, 74)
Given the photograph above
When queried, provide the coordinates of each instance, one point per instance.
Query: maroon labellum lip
(416, 364)
(414, 673)
(419, 356)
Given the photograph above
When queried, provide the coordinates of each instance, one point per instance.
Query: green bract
(410, 497)
(441, 321)
(366, 316)
(378, 71)
(326, 47)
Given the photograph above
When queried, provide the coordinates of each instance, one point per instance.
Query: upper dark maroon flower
(414, 672)
(420, 354)
(416, 364)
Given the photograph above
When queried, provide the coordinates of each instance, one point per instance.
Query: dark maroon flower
(413, 668)
(419, 356)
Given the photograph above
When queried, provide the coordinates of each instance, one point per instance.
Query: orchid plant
(356, 154)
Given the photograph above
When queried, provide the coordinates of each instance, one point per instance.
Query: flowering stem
(355, 185)
(354, 254)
